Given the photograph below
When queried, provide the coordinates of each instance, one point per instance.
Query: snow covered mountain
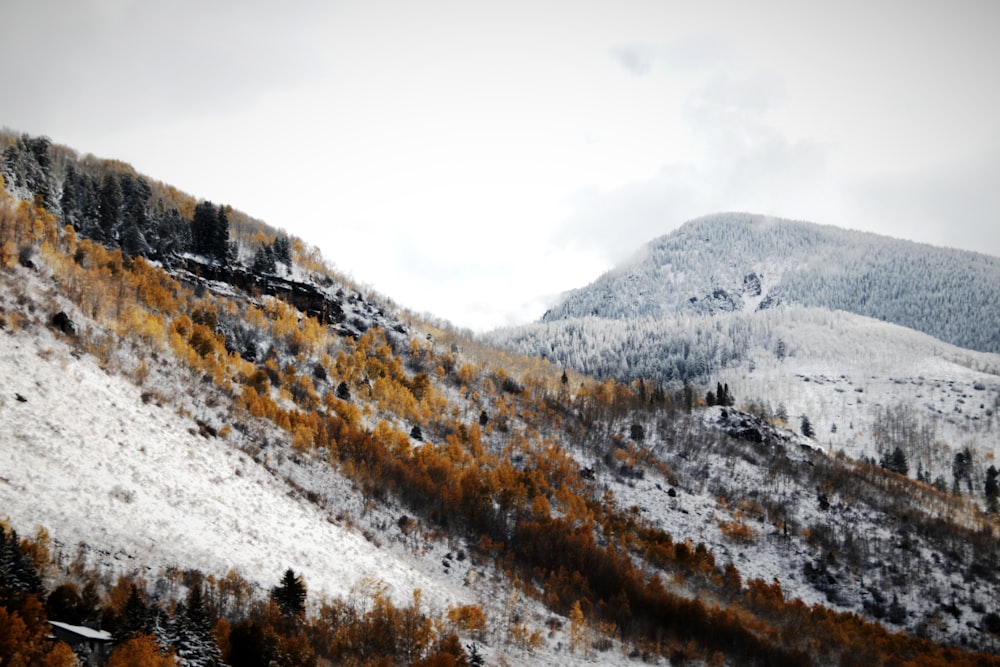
(736, 262)
(800, 320)
(181, 426)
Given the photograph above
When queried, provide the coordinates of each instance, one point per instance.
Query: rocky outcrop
(309, 298)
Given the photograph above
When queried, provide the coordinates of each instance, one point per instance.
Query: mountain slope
(735, 262)
(182, 424)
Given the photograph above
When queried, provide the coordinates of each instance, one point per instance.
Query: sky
(473, 160)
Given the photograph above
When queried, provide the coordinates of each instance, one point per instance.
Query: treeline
(188, 619)
(107, 202)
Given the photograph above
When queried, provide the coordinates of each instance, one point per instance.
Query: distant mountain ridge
(739, 262)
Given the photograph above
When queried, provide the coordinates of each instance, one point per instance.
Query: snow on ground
(841, 369)
(82, 455)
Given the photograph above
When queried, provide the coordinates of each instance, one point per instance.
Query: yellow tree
(578, 630)
(140, 651)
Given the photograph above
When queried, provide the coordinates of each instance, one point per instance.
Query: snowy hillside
(735, 262)
(186, 418)
(844, 372)
(88, 458)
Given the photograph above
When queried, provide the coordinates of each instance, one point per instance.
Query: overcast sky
(474, 159)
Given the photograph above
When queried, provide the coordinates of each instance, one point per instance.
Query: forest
(734, 262)
(545, 477)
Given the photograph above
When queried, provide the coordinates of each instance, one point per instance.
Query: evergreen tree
(282, 249)
(475, 657)
(710, 398)
(290, 595)
(26, 166)
(18, 576)
(806, 427)
(189, 632)
(109, 210)
(992, 488)
(263, 260)
(896, 461)
(210, 232)
(135, 617)
(135, 216)
(961, 468)
(71, 201)
(220, 237)
(172, 236)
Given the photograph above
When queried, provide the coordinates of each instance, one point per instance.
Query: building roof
(83, 631)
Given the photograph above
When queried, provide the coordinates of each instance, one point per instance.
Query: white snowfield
(82, 455)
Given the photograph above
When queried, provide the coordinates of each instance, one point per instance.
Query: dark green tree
(173, 235)
(637, 433)
(109, 210)
(961, 468)
(210, 232)
(18, 576)
(136, 228)
(263, 260)
(135, 617)
(290, 595)
(992, 488)
(896, 461)
(806, 427)
(71, 200)
(65, 604)
(710, 398)
(282, 249)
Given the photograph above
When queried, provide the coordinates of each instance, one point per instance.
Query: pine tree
(992, 488)
(806, 427)
(190, 634)
(263, 260)
(135, 617)
(896, 461)
(220, 237)
(282, 249)
(109, 210)
(18, 576)
(210, 232)
(290, 595)
(343, 392)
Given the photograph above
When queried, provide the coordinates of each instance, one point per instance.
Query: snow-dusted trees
(210, 232)
(188, 633)
(741, 262)
(18, 575)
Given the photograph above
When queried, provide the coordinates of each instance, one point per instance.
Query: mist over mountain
(738, 262)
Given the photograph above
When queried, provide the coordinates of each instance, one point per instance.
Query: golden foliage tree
(140, 651)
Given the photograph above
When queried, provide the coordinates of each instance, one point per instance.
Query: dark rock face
(307, 297)
(749, 427)
(62, 322)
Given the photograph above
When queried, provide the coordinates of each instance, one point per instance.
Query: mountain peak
(739, 262)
